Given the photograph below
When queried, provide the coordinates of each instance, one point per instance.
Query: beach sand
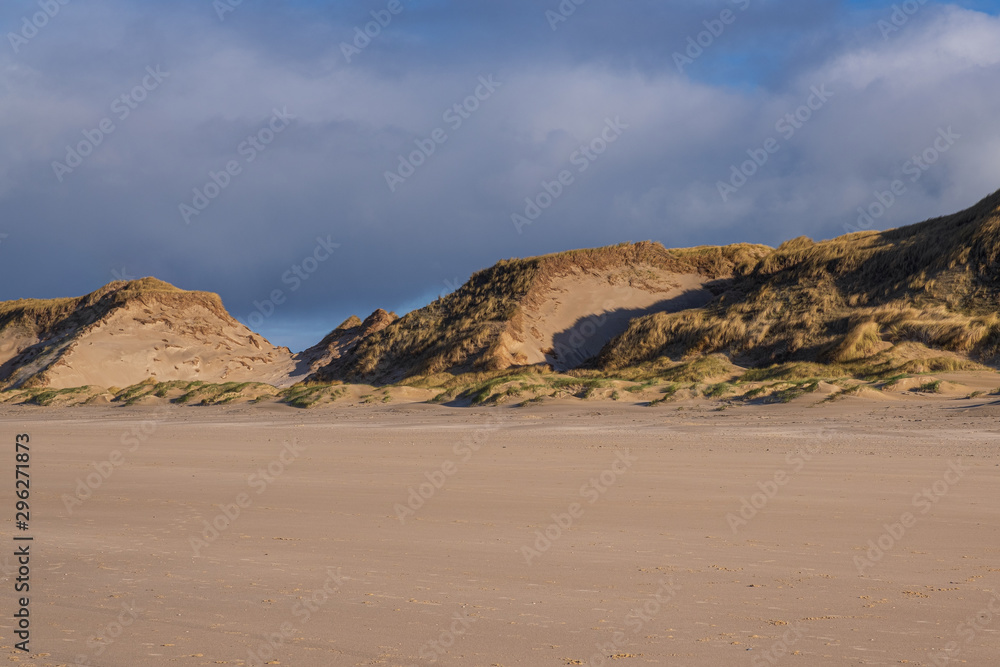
(335, 557)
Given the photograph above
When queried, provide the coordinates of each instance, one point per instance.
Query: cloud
(325, 174)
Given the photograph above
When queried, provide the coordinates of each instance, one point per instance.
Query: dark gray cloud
(323, 175)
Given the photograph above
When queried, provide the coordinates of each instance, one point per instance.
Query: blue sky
(895, 85)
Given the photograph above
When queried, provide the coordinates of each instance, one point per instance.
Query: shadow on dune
(584, 340)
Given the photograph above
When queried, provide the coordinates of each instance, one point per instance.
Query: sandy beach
(567, 533)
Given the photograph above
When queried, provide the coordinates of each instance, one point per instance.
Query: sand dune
(128, 332)
(140, 342)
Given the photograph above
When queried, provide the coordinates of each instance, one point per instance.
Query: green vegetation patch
(669, 392)
(310, 395)
(695, 371)
(791, 393)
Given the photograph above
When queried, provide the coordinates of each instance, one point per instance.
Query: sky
(312, 160)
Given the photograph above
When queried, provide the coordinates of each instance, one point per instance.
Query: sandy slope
(455, 572)
(127, 332)
(577, 314)
(170, 343)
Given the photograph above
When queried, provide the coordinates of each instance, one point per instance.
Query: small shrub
(307, 396)
(668, 393)
(930, 387)
(790, 394)
(718, 390)
(698, 370)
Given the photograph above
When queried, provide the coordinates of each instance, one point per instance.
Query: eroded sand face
(654, 558)
(580, 312)
(139, 341)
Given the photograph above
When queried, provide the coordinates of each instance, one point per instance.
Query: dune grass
(933, 387)
(311, 395)
(844, 300)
